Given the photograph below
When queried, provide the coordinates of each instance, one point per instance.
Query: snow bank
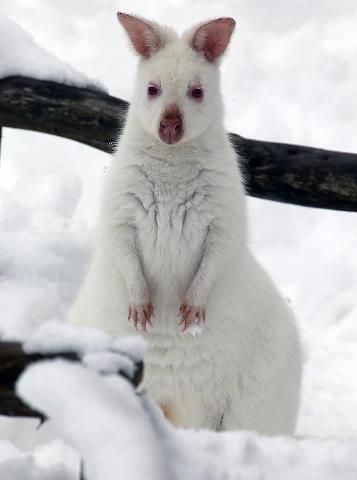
(55, 337)
(43, 251)
(54, 461)
(123, 435)
(20, 55)
(242, 455)
(97, 350)
(102, 417)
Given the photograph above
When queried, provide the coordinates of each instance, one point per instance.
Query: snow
(136, 346)
(110, 429)
(54, 337)
(43, 253)
(290, 76)
(194, 329)
(54, 461)
(109, 363)
(20, 55)
(97, 350)
(132, 439)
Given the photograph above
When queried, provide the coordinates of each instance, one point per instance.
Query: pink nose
(170, 130)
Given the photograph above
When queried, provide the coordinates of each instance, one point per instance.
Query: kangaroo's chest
(172, 215)
(173, 208)
(178, 209)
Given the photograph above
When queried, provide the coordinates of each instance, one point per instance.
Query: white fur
(172, 226)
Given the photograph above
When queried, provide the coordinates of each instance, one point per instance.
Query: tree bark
(0, 142)
(13, 361)
(274, 171)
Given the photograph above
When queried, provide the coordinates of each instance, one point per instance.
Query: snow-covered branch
(52, 344)
(273, 171)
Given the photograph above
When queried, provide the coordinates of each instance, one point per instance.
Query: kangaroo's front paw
(141, 315)
(191, 314)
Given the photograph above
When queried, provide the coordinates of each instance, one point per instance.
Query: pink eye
(196, 93)
(153, 90)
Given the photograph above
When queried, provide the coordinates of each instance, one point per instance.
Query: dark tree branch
(13, 361)
(274, 171)
(0, 142)
(87, 116)
(306, 176)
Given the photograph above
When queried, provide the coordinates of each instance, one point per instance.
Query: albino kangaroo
(172, 252)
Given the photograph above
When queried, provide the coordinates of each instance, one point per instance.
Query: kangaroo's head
(177, 95)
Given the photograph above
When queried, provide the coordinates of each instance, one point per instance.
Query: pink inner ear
(142, 35)
(212, 38)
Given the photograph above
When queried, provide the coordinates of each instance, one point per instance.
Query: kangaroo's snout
(171, 128)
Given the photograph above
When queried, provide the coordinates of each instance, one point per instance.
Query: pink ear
(145, 39)
(211, 39)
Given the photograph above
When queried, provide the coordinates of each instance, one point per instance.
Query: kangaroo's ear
(146, 37)
(212, 38)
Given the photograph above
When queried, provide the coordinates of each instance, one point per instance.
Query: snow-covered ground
(290, 76)
(122, 435)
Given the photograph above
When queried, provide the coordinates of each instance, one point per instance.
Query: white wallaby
(172, 253)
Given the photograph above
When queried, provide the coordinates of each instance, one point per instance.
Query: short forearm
(121, 239)
(193, 307)
(128, 262)
(211, 265)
